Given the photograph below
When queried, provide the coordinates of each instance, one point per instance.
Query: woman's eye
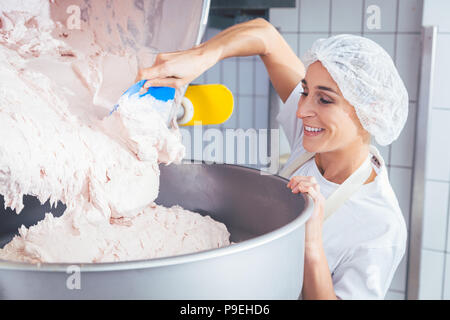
(305, 94)
(322, 100)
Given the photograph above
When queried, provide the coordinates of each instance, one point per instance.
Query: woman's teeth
(311, 129)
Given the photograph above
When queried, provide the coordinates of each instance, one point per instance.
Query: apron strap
(351, 185)
(289, 170)
(345, 190)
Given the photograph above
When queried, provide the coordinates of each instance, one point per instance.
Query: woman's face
(330, 122)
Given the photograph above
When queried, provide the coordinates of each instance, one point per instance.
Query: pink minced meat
(60, 144)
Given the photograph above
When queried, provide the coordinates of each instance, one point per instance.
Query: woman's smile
(312, 131)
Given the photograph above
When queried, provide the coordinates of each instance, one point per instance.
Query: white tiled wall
(438, 141)
(432, 274)
(314, 15)
(409, 15)
(441, 94)
(346, 16)
(388, 9)
(408, 54)
(301, 26)
(435, 220)
(386, 40)
(285, 18)
(433, 14)
(435, 259)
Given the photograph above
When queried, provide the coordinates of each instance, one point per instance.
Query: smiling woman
(351, 91)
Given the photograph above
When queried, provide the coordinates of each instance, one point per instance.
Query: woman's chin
(311, 146)
(315, 146)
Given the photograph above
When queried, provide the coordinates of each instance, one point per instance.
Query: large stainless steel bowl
(264, 218)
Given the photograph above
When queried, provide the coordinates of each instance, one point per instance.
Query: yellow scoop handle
(207, 104)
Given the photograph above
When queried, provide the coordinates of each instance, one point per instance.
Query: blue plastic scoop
(163, 94)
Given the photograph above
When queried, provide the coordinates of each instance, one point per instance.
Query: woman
(350, 92)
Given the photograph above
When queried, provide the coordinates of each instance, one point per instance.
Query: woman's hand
(313, 227)
(176, 69)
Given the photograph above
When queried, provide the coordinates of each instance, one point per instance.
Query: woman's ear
(367, 138)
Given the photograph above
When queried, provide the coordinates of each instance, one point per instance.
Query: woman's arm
(254, 37)
(317, 281)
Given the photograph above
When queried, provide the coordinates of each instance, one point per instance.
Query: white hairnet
(368, 79)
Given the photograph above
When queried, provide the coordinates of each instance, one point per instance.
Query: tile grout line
(437, 180)
(435, 250)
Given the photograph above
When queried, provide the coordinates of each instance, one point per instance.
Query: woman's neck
(336, 166)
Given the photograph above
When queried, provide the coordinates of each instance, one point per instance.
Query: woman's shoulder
(377, 209)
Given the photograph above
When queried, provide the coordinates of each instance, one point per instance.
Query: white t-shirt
(365, 239)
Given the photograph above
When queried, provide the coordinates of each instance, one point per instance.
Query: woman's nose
(304, 109)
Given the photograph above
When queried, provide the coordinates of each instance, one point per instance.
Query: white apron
(346, 189)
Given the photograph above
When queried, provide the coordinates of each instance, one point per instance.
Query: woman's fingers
(292, 183)
(165, 82)
(309, 185)
(301, 184)
(295, 180)
(182, 65)
(156, 71)
(304, 186)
